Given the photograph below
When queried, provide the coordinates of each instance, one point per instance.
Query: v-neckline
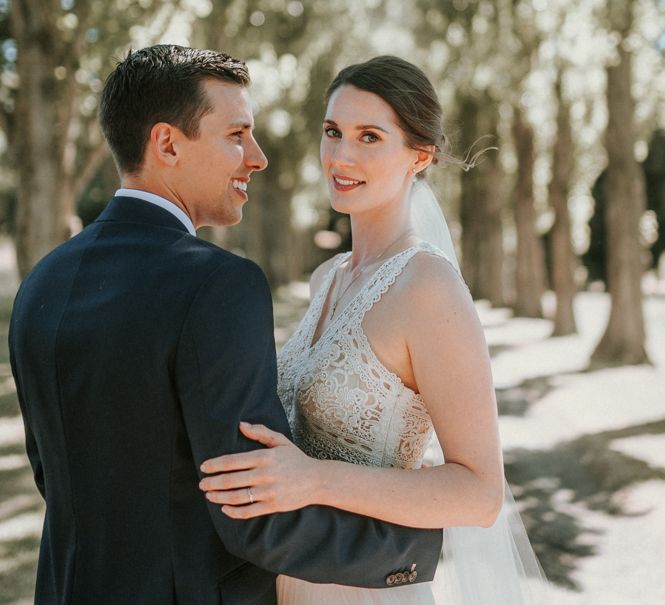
(325, 293)
(311, 344)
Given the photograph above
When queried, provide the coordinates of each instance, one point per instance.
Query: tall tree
(470, 32)
(562, 254)
(654, 173)
(480, 203)
(62, 50)
(43, 213)
(624, 338)
(529, 262)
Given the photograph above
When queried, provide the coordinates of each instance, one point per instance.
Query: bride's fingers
(226, 481)
(262, 434)
(247, 512)
(233, 462)
(236, 497)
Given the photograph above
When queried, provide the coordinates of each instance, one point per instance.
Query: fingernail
(245, 425)
(208, 495)
(201, 486)
(204, 468)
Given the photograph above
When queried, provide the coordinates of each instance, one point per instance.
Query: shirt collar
(160, 201)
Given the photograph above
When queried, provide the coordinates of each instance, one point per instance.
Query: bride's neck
(377, 236)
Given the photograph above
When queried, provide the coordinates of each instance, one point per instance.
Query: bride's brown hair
(411, 95)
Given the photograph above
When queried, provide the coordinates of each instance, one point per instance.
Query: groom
(137, 349)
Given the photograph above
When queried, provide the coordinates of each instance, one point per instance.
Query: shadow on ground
(583, 471)
(516, 400)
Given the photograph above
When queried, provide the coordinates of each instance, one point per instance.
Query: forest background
(567, 213)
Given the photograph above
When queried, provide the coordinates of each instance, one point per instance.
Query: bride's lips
(345, 183)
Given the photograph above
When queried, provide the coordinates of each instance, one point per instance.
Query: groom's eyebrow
(241, 125)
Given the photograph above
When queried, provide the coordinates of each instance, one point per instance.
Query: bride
(390, 350)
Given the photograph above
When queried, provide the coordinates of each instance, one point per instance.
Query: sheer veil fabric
(481, 566)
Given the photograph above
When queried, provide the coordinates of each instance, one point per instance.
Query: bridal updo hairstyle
(161, 83)
(410, 94)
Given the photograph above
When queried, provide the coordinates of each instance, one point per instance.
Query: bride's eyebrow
(371, 127)
(359, 127)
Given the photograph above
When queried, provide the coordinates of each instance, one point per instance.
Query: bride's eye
(332, 132)
(369, 137)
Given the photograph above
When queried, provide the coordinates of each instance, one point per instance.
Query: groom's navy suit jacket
(137, 349)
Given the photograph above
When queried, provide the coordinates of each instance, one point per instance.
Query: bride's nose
(342, 154)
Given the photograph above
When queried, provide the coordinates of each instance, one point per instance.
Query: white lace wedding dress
(344, 404)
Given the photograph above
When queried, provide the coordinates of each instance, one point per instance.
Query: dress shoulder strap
(384, 277)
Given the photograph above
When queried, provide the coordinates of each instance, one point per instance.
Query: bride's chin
(341, 206)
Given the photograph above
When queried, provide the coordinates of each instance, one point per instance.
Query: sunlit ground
(584, 450)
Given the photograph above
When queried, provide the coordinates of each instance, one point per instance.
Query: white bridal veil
(481, 566)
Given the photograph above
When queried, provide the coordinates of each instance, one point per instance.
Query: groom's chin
(227, 217)
(235, 219)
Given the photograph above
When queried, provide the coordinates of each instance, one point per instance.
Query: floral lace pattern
(341, 401)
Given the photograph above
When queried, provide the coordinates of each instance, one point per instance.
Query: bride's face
(363, 152)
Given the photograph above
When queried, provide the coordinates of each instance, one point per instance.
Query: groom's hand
(263, 481)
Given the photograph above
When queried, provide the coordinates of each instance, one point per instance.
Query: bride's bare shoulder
(439, 302)
(429, 272)
(319, 274)
(431, 285)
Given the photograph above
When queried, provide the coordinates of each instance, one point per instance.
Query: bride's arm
(452, 370)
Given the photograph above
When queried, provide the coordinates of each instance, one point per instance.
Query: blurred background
(560, 231)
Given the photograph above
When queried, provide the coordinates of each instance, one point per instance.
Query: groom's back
(93, 338)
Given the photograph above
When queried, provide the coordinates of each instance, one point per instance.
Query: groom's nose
(254, 156)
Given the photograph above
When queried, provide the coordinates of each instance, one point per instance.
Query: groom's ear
(163, 143)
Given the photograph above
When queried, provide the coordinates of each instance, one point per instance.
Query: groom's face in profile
(214, 169)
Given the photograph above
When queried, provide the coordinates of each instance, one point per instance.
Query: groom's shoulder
(200, 251)
(213, 263)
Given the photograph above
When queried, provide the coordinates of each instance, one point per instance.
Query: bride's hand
(263, 481)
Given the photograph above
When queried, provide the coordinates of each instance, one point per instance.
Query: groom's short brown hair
(161, 83)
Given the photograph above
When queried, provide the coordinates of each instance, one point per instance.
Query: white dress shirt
(160, 201)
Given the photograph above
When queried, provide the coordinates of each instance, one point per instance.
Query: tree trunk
(529, 262)
(562, 254)
(42, 221)
(490, 245)
(480, 206)
(623, 341)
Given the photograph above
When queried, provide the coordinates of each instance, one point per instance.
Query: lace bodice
(342, 402)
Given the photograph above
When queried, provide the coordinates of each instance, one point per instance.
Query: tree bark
(562, 254)
(480, 206)
(529, 262)
(56, 147)
(42, 221)
(624, 337)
